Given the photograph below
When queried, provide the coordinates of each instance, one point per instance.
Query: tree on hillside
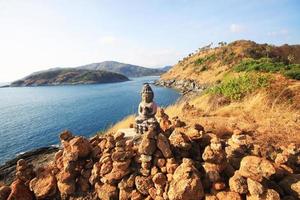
(268, 50)
(291, 58)
(221, 44)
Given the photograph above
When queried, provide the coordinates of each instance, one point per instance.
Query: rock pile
(178, 162)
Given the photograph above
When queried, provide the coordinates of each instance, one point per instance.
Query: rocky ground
(181, 161)
(184, 86)
(37, 158)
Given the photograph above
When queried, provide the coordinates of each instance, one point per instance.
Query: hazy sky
(40, 34)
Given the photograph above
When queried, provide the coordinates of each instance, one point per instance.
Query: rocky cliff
(182, 161)
(69, 76)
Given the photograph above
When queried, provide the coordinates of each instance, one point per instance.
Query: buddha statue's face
(147, 97)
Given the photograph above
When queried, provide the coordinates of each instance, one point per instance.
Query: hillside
(210, 65)
(122, 68)
(245, 85)
(69, 76)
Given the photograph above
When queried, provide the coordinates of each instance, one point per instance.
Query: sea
(33, 117)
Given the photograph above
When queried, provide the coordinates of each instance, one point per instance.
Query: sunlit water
(32, 117)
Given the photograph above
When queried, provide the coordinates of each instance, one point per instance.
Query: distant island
(128, 70)
(69, 76)
(103, 72)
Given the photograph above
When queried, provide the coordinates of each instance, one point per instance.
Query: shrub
(269, 65)
(236, 88)
(201, 61)
(293, 73)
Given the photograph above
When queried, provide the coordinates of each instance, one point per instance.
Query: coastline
(38, 157)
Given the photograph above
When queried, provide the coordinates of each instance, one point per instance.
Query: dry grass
(124, 123)
(270, 120)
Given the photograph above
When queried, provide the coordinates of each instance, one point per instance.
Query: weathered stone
(44, 185)
(143, 184)
(24, 171)
(20, 191)
(125, 193)
(159, 179)
(160, 162)
(256, 168)
(106, 191)
(164, 146)
(80, 146)
(268, 195)
(136, 195)
(66, 188)
(145, 158)
(154, 170)
(186, 183)
(194, 134)
(179, 140)
(254, 187)
(146, 165)
(106, 168)
(4, 192)
(147, 146)
(119, 136)
(213, 156)
(228, 195)
(210, 197)
(218, 185)
(121, 156)
(95, 174)
(66, 135)
(238, 184)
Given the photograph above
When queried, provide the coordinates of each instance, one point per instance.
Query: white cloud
(236, 28)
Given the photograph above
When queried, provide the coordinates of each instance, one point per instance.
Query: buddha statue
(146, 110)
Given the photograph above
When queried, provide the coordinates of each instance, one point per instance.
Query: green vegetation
(269, 65)
(236, 88)
(201, 61)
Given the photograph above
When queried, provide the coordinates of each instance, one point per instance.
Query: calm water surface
(32, 117)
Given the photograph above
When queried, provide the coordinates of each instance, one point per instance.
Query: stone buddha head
(147, 93)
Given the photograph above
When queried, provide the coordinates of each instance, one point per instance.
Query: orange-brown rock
(218, 185)
(4, 192)
(159, 179)
(106, 191)
(270, 194)
(238, 184)
(193, 133)
(186, 183)
(19, 191)
(44, 184)
(24, 171)
(136, 195)
(164, 146)
(143, 184)
(228, 195)
(255, 188)
(147, 146)
(66, 135)
(256, 168)
(179, 140)
(80, 146)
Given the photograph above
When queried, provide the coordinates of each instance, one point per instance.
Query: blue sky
(40, 34)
